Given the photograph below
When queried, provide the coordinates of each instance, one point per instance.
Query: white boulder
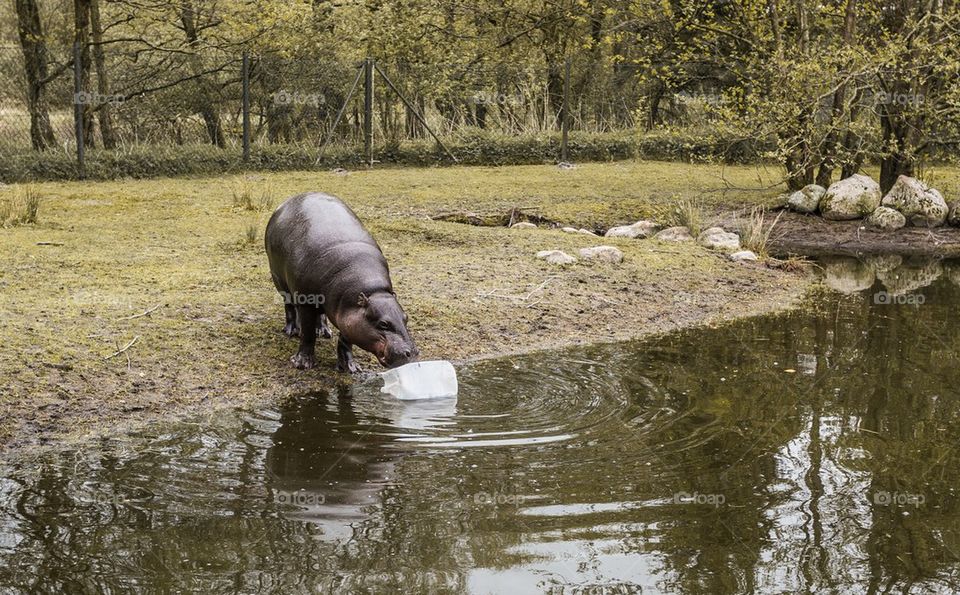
(850, 198)
(674, 234)
(604, 253)
(556, 257)
(921, 205)
(807, 199)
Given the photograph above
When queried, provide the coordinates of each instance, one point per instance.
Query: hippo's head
(379, 325)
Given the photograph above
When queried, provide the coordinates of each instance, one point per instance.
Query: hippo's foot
(349, 367)
(291, 330)
(302, 361)
(323, 330)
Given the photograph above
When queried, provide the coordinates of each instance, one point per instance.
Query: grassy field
(130, 300)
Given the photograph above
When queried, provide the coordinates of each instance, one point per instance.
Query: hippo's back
(316, 243)
(317, 221)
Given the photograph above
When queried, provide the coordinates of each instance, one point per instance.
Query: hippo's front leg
(345, 361)
(303, 359)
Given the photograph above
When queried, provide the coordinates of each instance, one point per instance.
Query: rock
(743, 255)
(718, 239)
(848, 274)
(566, 165)
(523, 225)
(556, 257)
(886, 219)
(910, 276)
(586, 232)
(807, 199)
(954, 217)
(605, 253)
(569, 230)
(883, 263)
(674, 234)
(851, 198)
(921, 205)
(640, 229)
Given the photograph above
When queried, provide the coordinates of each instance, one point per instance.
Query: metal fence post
(565, 114)
(368, 110)
(79, 100)
(246, 106)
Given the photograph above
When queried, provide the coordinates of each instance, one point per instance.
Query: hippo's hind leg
(290, 327)
(322, 326)
(303, 359)
(345, 362)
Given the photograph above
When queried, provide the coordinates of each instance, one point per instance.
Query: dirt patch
(811, 235)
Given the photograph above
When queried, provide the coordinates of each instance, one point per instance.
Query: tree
(35, 61)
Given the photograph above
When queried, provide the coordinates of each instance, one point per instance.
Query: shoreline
(316, 380)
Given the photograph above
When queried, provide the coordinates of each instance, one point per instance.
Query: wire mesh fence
(260, 108)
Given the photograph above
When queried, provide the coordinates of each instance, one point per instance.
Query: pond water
(814, 450)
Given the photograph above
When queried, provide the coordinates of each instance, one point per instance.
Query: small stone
(569, 230)
(743, 255)
(886, 219)
(556, 257)
(605, 253)
(566, 165)
(717, 238)
(586, 232)
(640, 229)
(523, 225)
(807, 199)
(674, 234)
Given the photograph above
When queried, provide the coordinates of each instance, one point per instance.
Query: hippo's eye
(383, 325)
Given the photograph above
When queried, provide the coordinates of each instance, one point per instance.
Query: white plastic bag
(421, 380)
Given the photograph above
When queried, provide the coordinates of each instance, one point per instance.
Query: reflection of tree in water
(868, 412)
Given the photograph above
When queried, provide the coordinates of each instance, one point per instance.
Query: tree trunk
(104, 110)
(34, 48)
(81, 22)
(206, 107)
(828, 150)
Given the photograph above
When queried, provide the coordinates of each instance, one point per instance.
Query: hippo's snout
(399, 357)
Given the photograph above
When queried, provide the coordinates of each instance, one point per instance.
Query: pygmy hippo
(326, 265)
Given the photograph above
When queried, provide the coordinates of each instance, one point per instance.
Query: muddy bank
(811, 235)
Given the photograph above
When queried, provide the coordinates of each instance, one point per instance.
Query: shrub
(21, 207)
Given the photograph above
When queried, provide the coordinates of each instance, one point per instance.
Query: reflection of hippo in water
(326, 462)
(326, 265)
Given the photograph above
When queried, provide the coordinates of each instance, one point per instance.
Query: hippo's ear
(363, 301)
